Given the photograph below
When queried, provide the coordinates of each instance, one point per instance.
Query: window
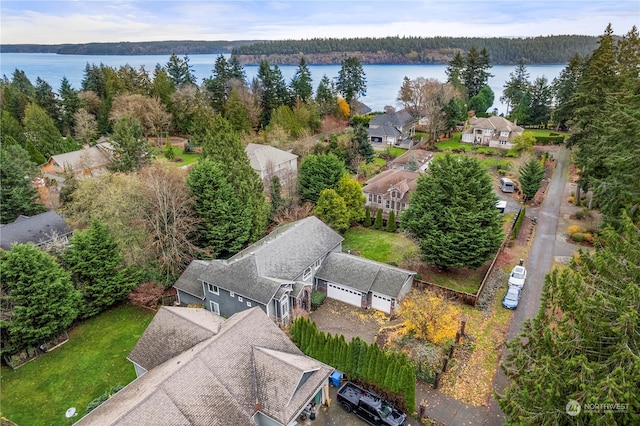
(232, 294)
(213, 288)
(379, 199)
(388, 203)
(249, 304)
(307, 274)
(370, 197)
(240, 299)
(215, 307)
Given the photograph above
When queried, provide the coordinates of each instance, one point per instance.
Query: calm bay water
(383, 81)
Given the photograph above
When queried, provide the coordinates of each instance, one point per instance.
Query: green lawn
(381, 246)
(91, 362)
(452, 144)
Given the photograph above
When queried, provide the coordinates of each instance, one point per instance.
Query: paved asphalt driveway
(538, 264)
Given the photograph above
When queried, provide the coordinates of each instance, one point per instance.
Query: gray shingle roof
(171, 332)
(36, 229)
(290, 249)
(404, 181)
(222, 380)
(262, 156)
(91, 157)
(189, 280)
(363, 274)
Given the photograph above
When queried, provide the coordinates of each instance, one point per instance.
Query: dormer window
(307, 274)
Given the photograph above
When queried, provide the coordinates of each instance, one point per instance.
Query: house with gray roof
(195, 368)
(363, 282)
(277, 274)
(39, 230)
(392, 128)
(89, 161)
(494, 131)
(269, 161)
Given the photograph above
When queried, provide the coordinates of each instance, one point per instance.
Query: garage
(344, 294)
(381, 303)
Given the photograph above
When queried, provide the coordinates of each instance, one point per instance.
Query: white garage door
(344, 294)
(381, 303)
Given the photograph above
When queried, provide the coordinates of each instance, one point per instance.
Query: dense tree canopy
(318, 172)
(18, 195)
(531, 175)
(98, 270)
(352, 82)
(452, 213)
(38, 299)
(606, 123)
(583, 344)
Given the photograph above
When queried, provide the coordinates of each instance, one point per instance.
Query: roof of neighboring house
(250, 365)
(260, 270)
(395, 119)
(494, 122)
(91, 157)
(262, 157)
(363, 274)
(421, 157)
(403, 180)
(359, 108)
(36, 229)
(384, 130)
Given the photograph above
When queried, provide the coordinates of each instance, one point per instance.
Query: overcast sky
(84, 21)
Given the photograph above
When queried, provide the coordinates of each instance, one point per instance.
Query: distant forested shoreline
(556, 49)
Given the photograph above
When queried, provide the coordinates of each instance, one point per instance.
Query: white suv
(517, 277)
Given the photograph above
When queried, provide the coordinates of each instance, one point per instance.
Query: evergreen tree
(531, 175)
(237, 114)
(318, 172)
(42, 131)
(409, 387)
(541, 96)
(163, 87)
(326, 97)
(225, 220)
(37, 298)
(69, 104)
(46, 99)
(301, 82)
(367, 217)
(361, 147)
(475, 73)
(273, 91)
(332, 210)
(391, 222)
(378, 224)
(351, 192)
(275, 194)
(98, 270)
(452, 213)
(224, 146)
(179, 71)
(583, 343)
(516, 87)
(11, 128)
(454, 73)
(564, 87)
(18, 196)
(131, 150)
(351, 83)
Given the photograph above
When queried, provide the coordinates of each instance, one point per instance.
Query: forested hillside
(387, 50)
(185, 47)
(418, 50)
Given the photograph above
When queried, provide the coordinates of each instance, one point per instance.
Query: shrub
(502, 172)
(378, 223)
(317, 298)
(571, 200)
(589, 238)
(102, 398)
(367, 217)
(578, 237)
(391, 222)
(573, 229)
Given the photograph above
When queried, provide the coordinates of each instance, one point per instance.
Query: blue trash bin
(336, 378)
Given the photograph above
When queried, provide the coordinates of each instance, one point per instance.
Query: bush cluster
(317, 298)
(549, 140)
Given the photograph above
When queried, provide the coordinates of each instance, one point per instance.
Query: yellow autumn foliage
(343, 108)
(429, 316)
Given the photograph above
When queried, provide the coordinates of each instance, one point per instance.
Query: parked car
(518, 276)
(501, 205)
(368, 406)
(511, 297)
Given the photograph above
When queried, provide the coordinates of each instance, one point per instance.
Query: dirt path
(539, 263)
